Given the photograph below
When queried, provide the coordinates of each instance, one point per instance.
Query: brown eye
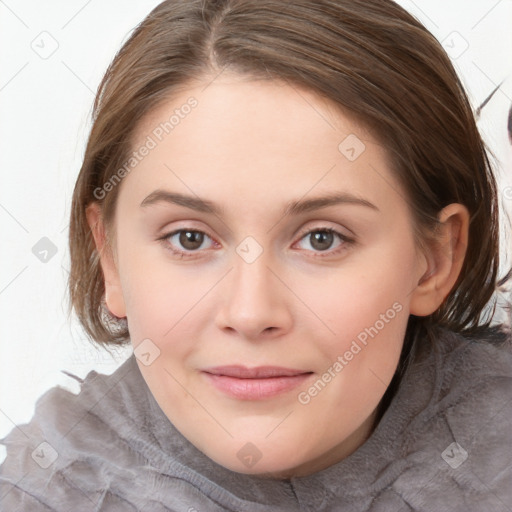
(191, 240)
(324, 241)
(321, 240)
(185, 241)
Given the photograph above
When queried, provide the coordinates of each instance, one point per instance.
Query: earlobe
(113, 291)
(445, 260)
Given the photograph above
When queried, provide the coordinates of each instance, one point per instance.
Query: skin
(251, 147)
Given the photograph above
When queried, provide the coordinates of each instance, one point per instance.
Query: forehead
(231, 103)
(257, 139)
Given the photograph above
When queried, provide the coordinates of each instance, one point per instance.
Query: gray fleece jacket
(443, 444)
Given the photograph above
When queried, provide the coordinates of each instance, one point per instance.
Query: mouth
(257, 383)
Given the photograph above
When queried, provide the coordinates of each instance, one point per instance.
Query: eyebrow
(291, 208)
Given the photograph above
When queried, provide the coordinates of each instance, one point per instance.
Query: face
(265, 261)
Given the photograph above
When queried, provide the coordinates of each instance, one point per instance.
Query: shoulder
(473, 385)
(68, 441)
(461, 439)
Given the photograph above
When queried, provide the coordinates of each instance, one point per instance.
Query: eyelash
(318, 254)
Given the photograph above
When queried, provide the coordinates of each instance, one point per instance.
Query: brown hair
(369, 57)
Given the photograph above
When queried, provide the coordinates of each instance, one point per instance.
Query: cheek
(371, 288)
(159, 295)
(359, 361)
(365, 304)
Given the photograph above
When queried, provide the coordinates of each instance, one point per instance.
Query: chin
(270, 471)
(249, 460)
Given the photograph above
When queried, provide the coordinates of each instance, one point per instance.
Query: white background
(44, 120)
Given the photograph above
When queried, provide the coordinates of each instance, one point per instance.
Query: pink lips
(255, 383)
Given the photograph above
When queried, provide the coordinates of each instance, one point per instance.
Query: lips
(257, 383)
(260, 372)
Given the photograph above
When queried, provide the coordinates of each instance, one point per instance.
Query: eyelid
(325, 227)
(186, 225)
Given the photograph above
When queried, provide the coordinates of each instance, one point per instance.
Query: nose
(254, 301)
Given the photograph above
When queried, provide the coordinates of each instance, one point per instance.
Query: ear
(444, 261)
(113, 291)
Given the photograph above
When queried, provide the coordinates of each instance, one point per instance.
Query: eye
(322, 240)
(189, 242)
(185, 241)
